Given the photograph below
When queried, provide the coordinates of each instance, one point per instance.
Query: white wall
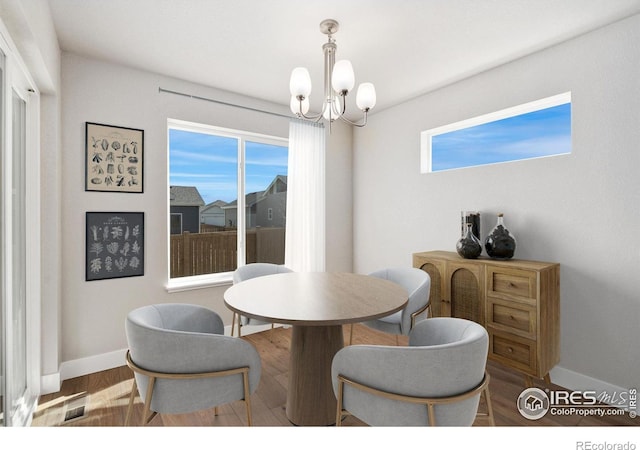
(93, 313)
(581, 210)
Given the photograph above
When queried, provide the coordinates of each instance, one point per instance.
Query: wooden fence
(202, 253)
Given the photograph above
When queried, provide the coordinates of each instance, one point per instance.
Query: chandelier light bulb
(366, 96)
(343, 78)
(300, 82)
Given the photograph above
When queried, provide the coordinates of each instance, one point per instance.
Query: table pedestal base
(310, 397)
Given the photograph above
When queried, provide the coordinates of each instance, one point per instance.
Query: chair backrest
(182, 338)
(445, 357)
(417, 282)
(254, 270)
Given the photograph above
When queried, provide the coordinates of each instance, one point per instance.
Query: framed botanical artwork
(114, 158)
(114, 245)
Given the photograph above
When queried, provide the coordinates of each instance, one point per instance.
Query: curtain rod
(197, 97)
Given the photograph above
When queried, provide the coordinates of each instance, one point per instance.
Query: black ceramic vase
(469, 246)
(500, 243)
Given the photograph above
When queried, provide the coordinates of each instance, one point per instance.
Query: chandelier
(339, 80)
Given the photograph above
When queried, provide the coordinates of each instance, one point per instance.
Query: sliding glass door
(19, 218)
(3, 371)
(17, 383)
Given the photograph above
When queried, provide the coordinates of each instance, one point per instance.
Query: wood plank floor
(104, 395)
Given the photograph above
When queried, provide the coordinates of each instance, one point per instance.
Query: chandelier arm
(355, 124)
(343, 95)
(315, 118)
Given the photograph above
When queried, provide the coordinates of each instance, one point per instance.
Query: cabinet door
(465, 297)
(436, 270)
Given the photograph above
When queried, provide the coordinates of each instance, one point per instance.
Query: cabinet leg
(528, 380)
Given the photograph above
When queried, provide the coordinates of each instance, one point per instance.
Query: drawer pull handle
(512, 318)
(510, 350)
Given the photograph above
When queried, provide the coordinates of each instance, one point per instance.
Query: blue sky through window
(531, 135)
(210, 163)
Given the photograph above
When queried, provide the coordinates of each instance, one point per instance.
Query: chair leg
(233, 323)
(146, 417)
(487, 399)
(397, 340)
(351, 334)
(247, 396)
(431, 411)
(339, 403)
(132, 397)
(271, 333)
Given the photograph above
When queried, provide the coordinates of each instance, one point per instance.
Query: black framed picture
(114, 245)
(114, 158)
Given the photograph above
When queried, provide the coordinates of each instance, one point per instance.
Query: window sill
(199, 282)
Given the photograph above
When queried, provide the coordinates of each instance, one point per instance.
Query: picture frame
(113, 158)
(114, 245)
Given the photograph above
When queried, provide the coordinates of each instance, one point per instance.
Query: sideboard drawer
(513, 317)
(512, 283)
(514, 350)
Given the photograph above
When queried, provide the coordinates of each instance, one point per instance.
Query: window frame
(426, 137)
(221, 278)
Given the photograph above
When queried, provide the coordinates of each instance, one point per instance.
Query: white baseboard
(50, 383)
(575, 381)
(84, 366)
(92, 364)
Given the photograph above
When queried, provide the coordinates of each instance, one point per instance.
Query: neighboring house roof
(278, 178)
(185, 196)
(217, 203)
(254, 197)
(249, 200)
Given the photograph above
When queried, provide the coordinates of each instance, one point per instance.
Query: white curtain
(305, 229)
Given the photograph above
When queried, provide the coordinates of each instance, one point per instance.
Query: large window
(229, 189)
(533, 130)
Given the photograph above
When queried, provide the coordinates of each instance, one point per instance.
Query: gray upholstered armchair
(418, 285)
(182, 361)
(247, 272)
(436, 380)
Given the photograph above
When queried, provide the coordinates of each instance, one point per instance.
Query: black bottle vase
(500, 242)
(469, 246)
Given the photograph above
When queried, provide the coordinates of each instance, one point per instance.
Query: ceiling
(405, 47)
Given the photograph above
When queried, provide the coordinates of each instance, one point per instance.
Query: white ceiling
(405, 47)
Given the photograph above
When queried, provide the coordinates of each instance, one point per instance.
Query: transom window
(533, 130)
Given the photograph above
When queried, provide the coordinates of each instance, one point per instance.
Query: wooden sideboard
(517, 301)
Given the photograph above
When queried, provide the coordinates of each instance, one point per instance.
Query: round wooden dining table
(316, 304)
